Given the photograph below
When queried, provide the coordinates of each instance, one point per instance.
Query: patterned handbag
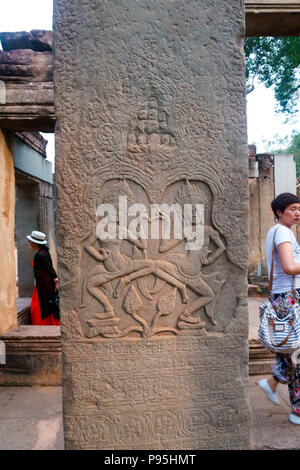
(281, 335)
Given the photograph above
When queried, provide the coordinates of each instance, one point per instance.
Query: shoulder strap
(272, 264)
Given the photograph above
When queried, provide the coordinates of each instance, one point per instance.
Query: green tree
(275, 61)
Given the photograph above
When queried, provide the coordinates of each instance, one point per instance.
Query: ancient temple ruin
(150, 104)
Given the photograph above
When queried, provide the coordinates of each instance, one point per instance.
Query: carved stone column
(266, 196)
(150, 103)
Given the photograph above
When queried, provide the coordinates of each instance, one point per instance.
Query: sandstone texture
(150, 104)
(23, 65)
(8, 311)
(28, 107)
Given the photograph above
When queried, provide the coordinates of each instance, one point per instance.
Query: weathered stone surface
(28, 107)
(35, 141)
(22, 66)
(151, 105)
(38, 40)
(26, 88)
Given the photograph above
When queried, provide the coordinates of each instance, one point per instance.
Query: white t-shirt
(282, 282)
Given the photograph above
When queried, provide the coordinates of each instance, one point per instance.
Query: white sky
(263, 124)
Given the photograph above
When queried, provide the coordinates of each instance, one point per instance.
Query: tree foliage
(276, 61)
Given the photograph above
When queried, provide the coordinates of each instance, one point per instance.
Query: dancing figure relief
(120, 276)
(189, 267)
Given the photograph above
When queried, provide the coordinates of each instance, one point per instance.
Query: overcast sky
(263, 124)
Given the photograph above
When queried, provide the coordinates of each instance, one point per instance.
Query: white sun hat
(37, 237)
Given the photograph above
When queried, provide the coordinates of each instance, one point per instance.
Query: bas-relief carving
(190, 427)
(107, 137)
(152, 145)
(158, 284)
(165, 396)
(151, 131)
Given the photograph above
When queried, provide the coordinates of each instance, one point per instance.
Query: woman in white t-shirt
(286, 208)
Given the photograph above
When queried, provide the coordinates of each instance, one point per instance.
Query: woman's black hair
(282, 201)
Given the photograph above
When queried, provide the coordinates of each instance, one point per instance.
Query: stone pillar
(8, 310)
(285, 179)
(254, 232)
(150, 101)
(266, 196)
(254, 214)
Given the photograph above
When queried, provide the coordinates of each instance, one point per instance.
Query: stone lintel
(35, 141)
(29, 161)
(28, 107)
(274, 5)
(273, 24)
(270, 18)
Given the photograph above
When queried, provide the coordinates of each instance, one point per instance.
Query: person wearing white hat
(39, 238)
(46, 281)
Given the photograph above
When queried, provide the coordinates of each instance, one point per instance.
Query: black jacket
(44, 274)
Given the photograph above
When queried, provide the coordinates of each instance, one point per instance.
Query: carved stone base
(107, 328)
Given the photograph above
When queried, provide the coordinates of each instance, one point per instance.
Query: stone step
(260, 359)
(32, 356)
(258, 290)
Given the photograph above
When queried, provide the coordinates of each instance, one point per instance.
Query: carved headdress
(114, 191)
(190, 194)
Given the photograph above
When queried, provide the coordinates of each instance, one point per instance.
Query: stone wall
(263, 188)
(254, 235)
(27, 218)
(8, 311)
(34, 208)
(266, 193)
